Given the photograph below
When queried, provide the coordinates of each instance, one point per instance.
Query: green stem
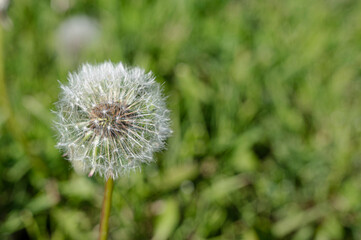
(107, 202)
(4, 97)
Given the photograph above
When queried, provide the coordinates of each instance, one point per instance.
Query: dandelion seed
(111, 119)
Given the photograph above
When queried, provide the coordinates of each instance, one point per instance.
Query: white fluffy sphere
(111, 118)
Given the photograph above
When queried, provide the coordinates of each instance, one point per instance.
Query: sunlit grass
(265, 107)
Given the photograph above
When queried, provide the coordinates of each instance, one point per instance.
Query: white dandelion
(111, 119)
(75, 35)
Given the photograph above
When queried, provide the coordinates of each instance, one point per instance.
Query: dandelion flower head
(111, 118)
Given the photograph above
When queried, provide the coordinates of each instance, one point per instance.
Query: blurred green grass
(265, 100)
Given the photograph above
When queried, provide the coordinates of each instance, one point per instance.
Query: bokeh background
(265, 100)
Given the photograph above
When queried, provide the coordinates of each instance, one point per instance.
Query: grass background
(265, 99)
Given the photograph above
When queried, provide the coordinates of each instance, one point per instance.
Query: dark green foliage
(265, 99)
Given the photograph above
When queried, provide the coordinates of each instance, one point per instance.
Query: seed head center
(110, 119)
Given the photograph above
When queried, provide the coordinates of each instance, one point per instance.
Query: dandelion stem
(107, 202)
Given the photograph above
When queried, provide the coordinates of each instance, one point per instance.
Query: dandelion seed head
(111, 119)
